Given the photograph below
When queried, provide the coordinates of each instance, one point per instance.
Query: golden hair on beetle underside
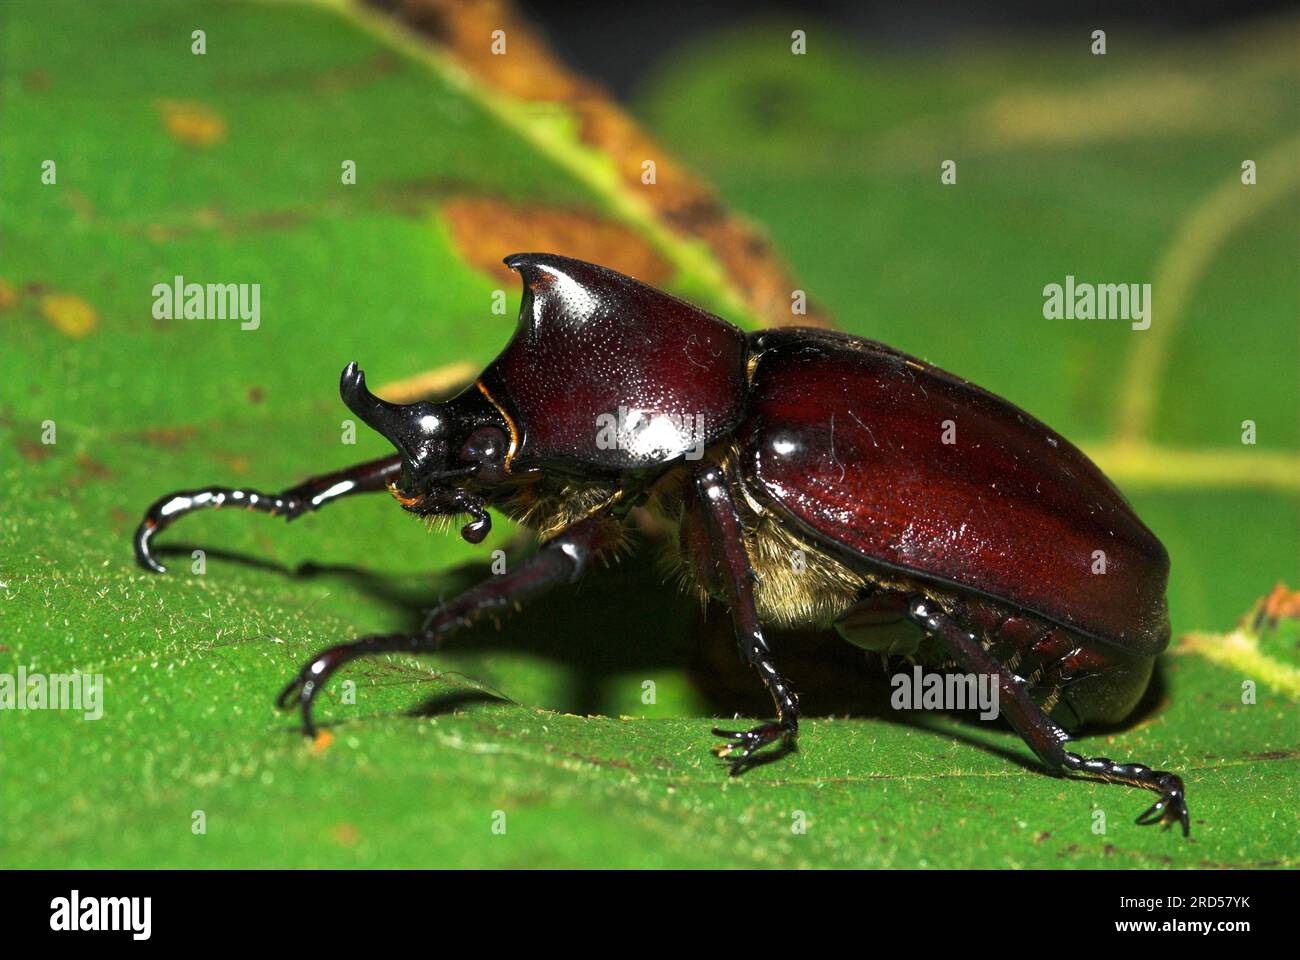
(797, 584)
(440, 523)
(810, 592)
(552, 508)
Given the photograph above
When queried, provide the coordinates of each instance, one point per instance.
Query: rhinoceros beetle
(756, 449)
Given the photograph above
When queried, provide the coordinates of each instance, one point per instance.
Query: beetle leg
(312, 494)
(1044, 736)
(728, 547)
(562, 559)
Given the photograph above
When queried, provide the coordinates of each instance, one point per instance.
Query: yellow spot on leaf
(345, 833)
(69, 314)
(485, 229)
(8, 296)
(323, 739)
(431, 383)
(191, 123)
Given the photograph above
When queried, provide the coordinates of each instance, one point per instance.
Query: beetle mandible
(756, 448)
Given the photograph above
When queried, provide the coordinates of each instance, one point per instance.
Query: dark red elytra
(808, 478)
(848, 438)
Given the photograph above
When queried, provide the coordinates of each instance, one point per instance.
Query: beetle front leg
(312, 494)
(562, 559)
(728, 549)
(1044, 736)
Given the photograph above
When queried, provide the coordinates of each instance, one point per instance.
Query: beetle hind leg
(1170, 808)
(1046, 737)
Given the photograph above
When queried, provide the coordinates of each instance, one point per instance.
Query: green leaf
(226, 167)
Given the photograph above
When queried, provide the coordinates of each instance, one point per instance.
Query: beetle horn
(389, 419)
(415, 429)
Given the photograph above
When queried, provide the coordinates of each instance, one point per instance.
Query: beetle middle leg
(1045, 736)
(312, 494)
(728, 551)
(563, 558)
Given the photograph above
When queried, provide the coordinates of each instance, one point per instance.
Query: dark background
(617, 43)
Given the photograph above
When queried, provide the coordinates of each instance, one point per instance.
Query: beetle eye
(486, 446)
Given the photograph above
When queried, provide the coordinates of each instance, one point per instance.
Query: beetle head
(449, 450)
